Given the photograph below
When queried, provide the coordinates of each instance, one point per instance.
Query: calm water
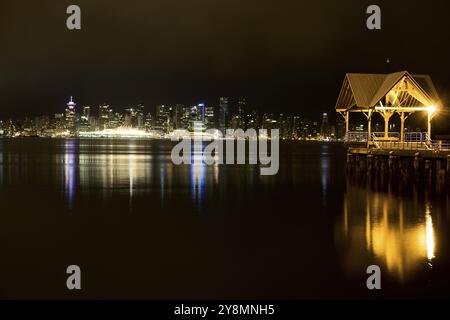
(140, 227)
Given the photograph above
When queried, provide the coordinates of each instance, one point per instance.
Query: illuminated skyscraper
(202, 110)
(210, 120)
(325, 127)
(177, 116)
(140, 117)
(148, 122)
(223, 113)
(85, 124)
(185, 119)
(242, 106)
(131, 118)
(71, 115)
(163, 120)
(103, 116)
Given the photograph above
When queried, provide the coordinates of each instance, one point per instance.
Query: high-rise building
(131, 118)
(284, 125)
(140, 119)
(252, 120)
(202, 111)
(325, 126)
(71, 115)
(210, 119)
(196, 113)
(41, 123)
(148, 122)
(223, 114)
(86, 113)
(163, 118)
(340, 127)
(59, 121)
(85, 121)
(115, 119)
(296, 127)
(242, 107)
(185, 117)
(134, 117)
(235, 122)
(269, 122)
(103, 116)
(9, 128)
(314, 129)
(177, 116)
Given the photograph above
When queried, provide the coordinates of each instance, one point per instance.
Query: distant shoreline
(147, 138)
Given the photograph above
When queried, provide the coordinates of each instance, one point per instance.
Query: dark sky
(287, 56)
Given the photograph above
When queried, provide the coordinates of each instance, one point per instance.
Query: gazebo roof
(363, 91)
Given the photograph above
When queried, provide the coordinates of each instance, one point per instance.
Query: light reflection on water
(69, 171)
(396, 232)
(325, 170)
(283, 221)
(130, 168)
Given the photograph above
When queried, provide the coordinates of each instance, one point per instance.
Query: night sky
(284, 56)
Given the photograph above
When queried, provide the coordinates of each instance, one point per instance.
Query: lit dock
(388, 95)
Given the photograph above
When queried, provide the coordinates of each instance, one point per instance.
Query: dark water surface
(140, 227)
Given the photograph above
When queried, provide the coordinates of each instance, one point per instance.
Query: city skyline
(277, 54)
(228, 113)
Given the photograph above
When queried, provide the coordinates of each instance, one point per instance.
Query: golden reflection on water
(394, 232)
(130, 168)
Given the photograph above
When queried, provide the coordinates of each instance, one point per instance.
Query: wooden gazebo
(387, 94)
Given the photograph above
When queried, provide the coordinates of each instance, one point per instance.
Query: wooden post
(448, 166)
(349, 158)
(429, 126)
(402, 127)
(416, 164)
(440, 174)
(438, 168)
(392, 162)
(428, 169)
(369, 163)
(386, 115)
(369, 127)
(347, 118)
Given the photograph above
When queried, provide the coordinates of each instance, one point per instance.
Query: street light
(432, 109)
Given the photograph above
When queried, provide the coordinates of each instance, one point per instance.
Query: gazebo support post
(386, 115)
(347, 119)
(402, 127)
(430, 116)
